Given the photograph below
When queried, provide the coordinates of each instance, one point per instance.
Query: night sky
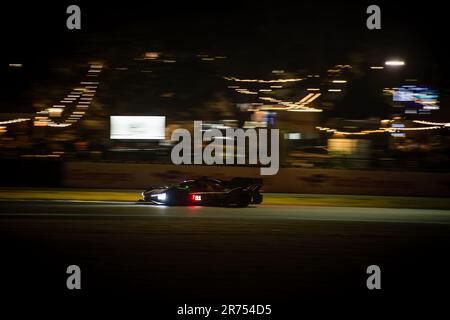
(257, 36)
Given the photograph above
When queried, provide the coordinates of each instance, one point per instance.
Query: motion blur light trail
(132, 196)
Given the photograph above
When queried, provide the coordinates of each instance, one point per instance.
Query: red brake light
(196, 197)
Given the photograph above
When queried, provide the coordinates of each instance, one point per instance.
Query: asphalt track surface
(261, 254)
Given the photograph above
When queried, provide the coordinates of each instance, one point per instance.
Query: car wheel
(238, 200)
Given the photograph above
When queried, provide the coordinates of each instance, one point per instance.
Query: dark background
(256, 36)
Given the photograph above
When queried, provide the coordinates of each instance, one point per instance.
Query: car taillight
(196, 197)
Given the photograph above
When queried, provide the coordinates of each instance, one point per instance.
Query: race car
(206, 191)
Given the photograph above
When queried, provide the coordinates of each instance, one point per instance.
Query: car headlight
(160, 196)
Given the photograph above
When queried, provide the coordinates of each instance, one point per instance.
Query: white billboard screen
(138, 127)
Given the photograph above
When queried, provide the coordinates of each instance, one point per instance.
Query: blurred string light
(207, 57)
(263, 81)
(83, 94)
(445, 124)
(14, 121)
(413, 129)
(310, 97)
(343, 66)
(52, 155)
(363, 132)
(338, 68)
(286, 105)
(381, 130)
(300, 106)
(246, 91)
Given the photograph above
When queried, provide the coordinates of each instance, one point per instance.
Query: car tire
(238, 200)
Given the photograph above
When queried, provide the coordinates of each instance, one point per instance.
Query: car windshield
(186, 184)
(201, 186)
